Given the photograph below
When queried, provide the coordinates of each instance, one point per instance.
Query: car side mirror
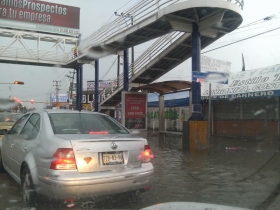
(3, 131)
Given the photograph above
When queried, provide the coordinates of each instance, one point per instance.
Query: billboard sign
(210, 77)
(61, 98)
(213, 65)
(40, 16)
(261, 82)
(134, 110)
(102, 84)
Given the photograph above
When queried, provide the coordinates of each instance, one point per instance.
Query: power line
(119, 9)
(242, 40)
(267, 18)
(108, 70)
(248, 25)
(230, 34)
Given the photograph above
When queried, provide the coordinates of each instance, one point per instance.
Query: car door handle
(24, 149)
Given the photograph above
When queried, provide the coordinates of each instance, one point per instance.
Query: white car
(72, 155)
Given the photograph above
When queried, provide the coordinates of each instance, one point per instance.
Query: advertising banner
(61, 97)
(87, 98)
(102, 84)
(213, 65)
(261, 82)
(135, 110)
(40, 16)
(213, 77)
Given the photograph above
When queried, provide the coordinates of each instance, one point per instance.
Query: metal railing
(136, 13)
(154, 50)
(32, 55)
(140, 11)
(141, 62)
(239, 3)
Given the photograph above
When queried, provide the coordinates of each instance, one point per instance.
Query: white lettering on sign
(135, 108)
(35, 6)
(84, 99)
(60, 97)
(243, 95)
(246, 82)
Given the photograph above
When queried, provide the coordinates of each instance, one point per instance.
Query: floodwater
(236, 172)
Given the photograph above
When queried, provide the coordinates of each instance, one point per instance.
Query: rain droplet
(70, 205)
(13, 201)
(259, 112)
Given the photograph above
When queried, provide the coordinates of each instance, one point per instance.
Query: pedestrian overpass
(169, 20)
(215, 19)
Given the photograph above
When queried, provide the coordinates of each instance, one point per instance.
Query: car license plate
(112, 158)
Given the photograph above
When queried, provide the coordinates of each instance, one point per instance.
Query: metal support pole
(196, 87)
(132, 61)
(96, 88)
(241, 116)
(81, 88)
(125, 70)
(161, 120)
(132, 51)
(118, 71)
(278, 115)
(278, 130)
(77, 88)
(209, 114)
(190, 103)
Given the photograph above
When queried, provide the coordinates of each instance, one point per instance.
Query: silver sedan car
(72, 155)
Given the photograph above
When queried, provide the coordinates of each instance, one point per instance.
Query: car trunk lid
(106, 152)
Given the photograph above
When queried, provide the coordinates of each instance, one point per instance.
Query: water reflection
(242, 178)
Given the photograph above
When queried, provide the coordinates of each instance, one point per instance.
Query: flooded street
(236, 172)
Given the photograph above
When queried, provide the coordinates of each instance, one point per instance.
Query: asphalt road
(247, 177)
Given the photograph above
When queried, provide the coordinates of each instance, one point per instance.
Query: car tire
(28, 189)
(1, 164)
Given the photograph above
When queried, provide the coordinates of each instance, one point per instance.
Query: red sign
(39, 12)
(135, 111)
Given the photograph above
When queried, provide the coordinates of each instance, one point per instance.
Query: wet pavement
(247, 176)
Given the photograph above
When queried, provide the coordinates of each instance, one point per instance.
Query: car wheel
(1, 164)
(28, 189)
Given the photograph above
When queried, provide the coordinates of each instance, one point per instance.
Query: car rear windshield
(81, 123)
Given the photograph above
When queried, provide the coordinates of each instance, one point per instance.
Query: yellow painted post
(198, 136)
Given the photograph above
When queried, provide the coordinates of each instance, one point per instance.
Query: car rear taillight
(146, 155)
(64, 159)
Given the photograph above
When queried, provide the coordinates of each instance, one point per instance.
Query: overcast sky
(259, 52)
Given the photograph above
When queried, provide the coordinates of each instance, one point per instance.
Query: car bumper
(88, 185)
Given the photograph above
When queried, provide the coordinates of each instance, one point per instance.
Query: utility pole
(71, 80)
(57, 85)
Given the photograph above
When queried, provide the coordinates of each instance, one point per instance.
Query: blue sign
(198, 75)
(259, 94)
(210, 77)
(61, 98)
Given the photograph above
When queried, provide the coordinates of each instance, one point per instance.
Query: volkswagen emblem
(114, 145)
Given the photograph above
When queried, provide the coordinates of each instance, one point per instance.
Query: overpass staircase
(168, 20)
(214, 20)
